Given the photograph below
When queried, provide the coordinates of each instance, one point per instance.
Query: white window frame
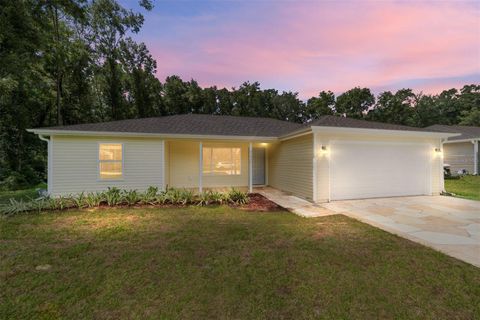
(211, 173)
(99, 177)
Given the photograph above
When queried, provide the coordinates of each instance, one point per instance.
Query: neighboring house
(461, 152)
(331, 158)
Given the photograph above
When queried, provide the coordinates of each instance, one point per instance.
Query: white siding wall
(75, 164)
(290, 166)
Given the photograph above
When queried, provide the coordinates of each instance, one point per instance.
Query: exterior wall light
(323, 151)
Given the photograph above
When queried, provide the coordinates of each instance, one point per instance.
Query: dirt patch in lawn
(260, 203)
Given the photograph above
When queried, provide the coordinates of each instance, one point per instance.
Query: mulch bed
(260, 203)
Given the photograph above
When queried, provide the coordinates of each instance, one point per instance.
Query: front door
(258, 166)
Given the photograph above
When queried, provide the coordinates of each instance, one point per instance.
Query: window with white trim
(222, 161)
(110, 161)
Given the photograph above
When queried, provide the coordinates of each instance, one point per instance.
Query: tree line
(75, 61)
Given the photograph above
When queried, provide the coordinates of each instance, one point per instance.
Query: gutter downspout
(250, 168)
(49, 162)
(442, 160)
(475, 156)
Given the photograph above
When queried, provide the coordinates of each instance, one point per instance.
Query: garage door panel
(366, 170)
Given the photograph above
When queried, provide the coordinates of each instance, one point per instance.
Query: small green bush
(15, 207)
(149, 196)
(114, 196)
(80, 200)
(204, 198)
(237, 197)
(94, 199)
(130, 197)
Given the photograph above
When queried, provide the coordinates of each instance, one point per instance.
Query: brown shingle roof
(342, 122)
(467, 132)
(193, 124)
(201, 124)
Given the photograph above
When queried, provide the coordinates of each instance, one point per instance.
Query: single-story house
(461, 152)
(331, 158)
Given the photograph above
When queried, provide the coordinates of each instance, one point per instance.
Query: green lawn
(465, 187)
(24, 194)
(203, 263)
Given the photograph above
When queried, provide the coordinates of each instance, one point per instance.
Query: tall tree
(248, 99)
(63, 16)
(142, 85)
(286, 106)
(25, 90)
(425, 112)
(319, 106)
(471, 118)
(395, 108)
(355, 102)
(110, 23)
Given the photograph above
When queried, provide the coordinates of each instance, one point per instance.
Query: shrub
(204, 198)
(149, 196)
(80, 200)
(237, 197)
(15, 207)
(113, 196)
(186, 197)
(94, 199)
(211, 197)
(160, 198)
(131, 197)
(61, 203)
(217, 197)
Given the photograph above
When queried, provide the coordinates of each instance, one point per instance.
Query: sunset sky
(309, 46)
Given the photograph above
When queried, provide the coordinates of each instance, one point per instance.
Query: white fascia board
(462, 140)
(295, 134)
(47, 132)
(399, 133)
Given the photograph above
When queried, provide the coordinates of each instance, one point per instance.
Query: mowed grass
(465, 187)
(220, 262)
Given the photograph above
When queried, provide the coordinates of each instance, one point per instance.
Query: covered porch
(216, 164)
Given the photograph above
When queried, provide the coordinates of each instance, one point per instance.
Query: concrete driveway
(450, 225)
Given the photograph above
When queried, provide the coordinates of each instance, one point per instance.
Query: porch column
(250, 167)
(475, 157)
(200, 169)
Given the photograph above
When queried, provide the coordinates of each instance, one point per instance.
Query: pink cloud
(313, 46)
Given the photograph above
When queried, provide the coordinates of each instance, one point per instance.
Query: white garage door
(369, 170)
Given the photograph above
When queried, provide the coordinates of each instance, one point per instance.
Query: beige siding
(184, 157)
(323, 159)
(75, 164)
(290, 166)
(437, 168)
(459, 156)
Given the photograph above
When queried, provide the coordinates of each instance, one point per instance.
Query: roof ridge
(336, 117)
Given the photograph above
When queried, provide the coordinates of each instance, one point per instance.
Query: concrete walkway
(450, 225)
(294, 204)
